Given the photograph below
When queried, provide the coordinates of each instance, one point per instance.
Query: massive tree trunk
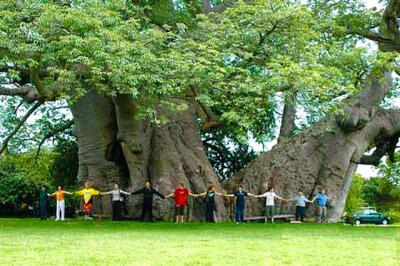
(114, 146)
(325, 155)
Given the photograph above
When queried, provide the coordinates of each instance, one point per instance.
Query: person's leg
(114, 210)
(302, 213)
(297, 213)
(58, 211)
(62, 208)
(320, 213)
(42, 211)
(241, 216)
(324, 213)
(272, 213)
(237, 214)
(119, 211)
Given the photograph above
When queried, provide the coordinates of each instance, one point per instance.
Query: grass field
(77, 242)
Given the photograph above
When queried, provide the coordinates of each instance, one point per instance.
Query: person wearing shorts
(88, 194)
(180, 194)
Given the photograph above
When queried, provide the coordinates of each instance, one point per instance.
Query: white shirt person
(270, 196)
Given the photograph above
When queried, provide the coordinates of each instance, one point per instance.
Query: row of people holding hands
(181, 194)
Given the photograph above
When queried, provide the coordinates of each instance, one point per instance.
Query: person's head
(240, 188)
(271, 189)
(116, 186)
(147, 184)
(211, 188)
(181, 184)
(300, 192)
(87, 184)
(323, 191)
(59, 188)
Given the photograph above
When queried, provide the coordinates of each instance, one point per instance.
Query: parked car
(368, 215)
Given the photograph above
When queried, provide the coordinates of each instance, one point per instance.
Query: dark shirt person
(148, 195)
(43, 200)
(209, 198)
(240, 196)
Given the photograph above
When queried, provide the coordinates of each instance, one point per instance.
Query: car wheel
(357, 222)
(384, 222)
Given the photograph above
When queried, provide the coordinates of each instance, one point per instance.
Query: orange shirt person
(59, 194)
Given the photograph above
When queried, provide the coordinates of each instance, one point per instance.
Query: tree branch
(358, 111)
(20, 124)
(51, 134)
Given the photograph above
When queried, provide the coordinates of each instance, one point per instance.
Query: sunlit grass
(77, 242)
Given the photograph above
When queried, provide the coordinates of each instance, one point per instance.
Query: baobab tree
(139, 82)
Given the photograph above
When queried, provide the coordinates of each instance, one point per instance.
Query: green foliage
(26, 165)
(226, 153)
(64, 169)
(378, 192)
(391, 170)
(235, 62)
(17, 188)
(354, 199)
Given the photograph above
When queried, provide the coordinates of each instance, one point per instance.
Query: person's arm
(193, 195)
(79, 192)
(170, 195)
(204, 193)
(140, 191)
(94, 192)
(250, 194)
(52, 194)
(261, 195)
(106, 193)
(124, 192)
(313, 199)
(158, 194)
(219, 194)
(68, 193)
(280, 198)
(229, 195)
(307, 200)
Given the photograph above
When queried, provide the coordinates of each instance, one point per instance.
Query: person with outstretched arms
(180, 194)
(88, 193)
(270, 197)
(209, 198)
(116, 195)
(148, 194)
(60, 209)
(240, 207)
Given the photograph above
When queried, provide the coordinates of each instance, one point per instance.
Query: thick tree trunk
(325, 155)
(116, 147)
(96, 131)
(288, 117)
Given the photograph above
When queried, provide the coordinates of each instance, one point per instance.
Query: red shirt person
(180, 194)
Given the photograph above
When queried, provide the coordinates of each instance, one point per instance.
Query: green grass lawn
(78, 242)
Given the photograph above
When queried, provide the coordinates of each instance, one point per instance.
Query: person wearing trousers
(43, 203)
(209, 198)
(59, 194)
(300, 201)
(116, 201)
(240, 196)
(148, 194)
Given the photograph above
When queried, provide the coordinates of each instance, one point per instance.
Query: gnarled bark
(324, 155)
(116, 147)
